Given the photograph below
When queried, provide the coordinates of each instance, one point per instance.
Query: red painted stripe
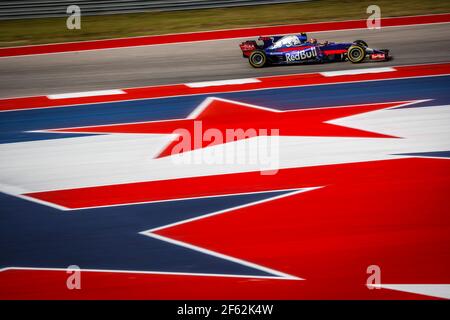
(49, 284)
(163, 190)
(334, 51)
(265, 83)
(215, 35)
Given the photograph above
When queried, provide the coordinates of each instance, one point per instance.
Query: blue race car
(291, 49)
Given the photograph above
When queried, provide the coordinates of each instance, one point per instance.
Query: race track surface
(200, 61)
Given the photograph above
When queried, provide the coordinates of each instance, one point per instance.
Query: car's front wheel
(356, 54)
(257, 59)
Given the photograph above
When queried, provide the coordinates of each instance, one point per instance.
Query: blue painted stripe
(433, 154)
(33, 235)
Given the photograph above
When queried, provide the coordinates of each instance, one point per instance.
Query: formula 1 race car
(298, 49)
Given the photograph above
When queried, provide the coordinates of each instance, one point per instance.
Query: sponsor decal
(377, 56)
(301, 55)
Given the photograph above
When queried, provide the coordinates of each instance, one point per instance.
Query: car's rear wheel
(356, 54)
(257, 59)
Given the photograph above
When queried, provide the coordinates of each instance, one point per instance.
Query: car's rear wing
(248, 47)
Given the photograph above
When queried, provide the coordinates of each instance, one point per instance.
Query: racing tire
(360, 43)
(356, 54)
(257, 59)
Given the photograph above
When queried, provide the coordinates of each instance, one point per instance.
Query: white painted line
(221, 82)
(169, 273)
(275, 274)
(356, 71)
(50, 204)
(205, 103)
(432, 290)
(215, 213)
(19, 193)
(151, 233)
(85, 94)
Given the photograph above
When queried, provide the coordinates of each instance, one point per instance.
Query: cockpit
(287, 41)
